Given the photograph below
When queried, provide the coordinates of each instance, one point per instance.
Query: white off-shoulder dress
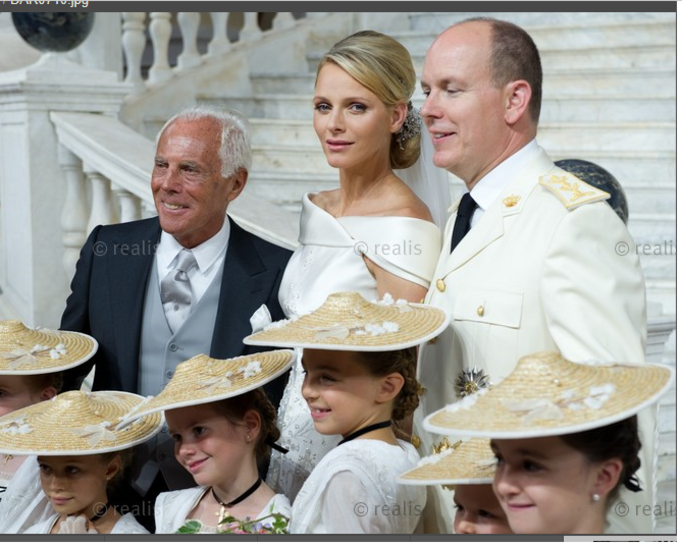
(329, 260)
(171, 509)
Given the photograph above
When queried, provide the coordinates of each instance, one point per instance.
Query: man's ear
(238, 182)
(390, 387)
(517, 100)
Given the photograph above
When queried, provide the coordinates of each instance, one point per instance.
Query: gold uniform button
(416, 441)
(480, 311)
(440, 284)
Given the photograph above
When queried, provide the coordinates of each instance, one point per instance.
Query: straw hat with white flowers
(76, 423)
(547, 395)
(202, 379)
(24, 351)
(346, 321)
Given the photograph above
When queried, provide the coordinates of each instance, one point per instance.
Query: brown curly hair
(404, 362)
(235, 408)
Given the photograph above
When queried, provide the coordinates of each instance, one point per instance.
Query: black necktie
(466, 209)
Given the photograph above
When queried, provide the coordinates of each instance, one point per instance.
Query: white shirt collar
(489, 187)
(205, 254)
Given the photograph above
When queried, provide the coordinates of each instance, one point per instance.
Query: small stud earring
(248, 438)
(596, 497)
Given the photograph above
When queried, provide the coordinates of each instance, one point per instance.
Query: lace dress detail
(354, 490)
(330, 259)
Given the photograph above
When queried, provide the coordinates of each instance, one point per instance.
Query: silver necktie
(176, 291)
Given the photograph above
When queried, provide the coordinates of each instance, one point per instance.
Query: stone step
(572, 36)
(627, 166)
(437, 21)
(643, 197)
(288, 188)
(633, 58)
(603, 81)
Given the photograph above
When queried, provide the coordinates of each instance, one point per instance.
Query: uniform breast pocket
(489, 307)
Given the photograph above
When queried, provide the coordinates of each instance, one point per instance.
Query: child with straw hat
(80, 450)
(31, 366)
(360, 364)
(564, 435)
(223, 426)
(468, 468)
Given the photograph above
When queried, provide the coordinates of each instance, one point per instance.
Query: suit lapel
(492, 226)
(129, 275)
(237, 302)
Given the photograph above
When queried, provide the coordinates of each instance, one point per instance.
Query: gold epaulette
(572, 191)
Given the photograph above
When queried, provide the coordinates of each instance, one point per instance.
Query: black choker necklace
(365, 430)
(246, 494)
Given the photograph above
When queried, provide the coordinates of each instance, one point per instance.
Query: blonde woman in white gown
(373, 234)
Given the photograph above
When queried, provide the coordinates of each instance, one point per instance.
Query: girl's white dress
(171, 509)
(330, 259)
(24, 502)
(126, 525)
(354, 490)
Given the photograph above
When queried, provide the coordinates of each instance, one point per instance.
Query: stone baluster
(128, 204)
(283, 20)
(149, 210)
(188, 22)
(219, 43)
(251, 30)
(133, 40)
(101, 212)
(160, 30)
(74, 214)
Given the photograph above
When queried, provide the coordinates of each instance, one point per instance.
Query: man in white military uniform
(534, 258)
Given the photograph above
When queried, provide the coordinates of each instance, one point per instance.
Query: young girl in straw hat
(223, 426)
(565, 438)
(80, 451)
(31, 366)
(468, 468)
(360, 364)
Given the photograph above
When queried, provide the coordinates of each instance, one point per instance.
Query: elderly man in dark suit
(157, 292)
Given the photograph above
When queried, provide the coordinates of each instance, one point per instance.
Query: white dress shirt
(209, 256)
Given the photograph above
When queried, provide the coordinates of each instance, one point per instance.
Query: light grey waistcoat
(160, 350)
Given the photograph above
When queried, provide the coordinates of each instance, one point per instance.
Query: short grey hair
(235, 135)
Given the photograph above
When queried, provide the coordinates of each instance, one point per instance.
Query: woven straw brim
(24, 351)
(547, 395)
(472, 462)
(76, 423)
(201, 380)
(346, 321)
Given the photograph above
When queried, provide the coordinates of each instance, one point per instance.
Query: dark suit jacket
(109, 287)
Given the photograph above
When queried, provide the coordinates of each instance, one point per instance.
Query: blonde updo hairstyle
(384, 66)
